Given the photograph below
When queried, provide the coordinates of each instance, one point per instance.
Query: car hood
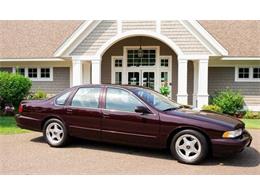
(208, 116)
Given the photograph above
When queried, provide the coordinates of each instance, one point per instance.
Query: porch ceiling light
(140, 52)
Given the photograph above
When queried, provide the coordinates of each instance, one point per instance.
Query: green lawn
(252, 123)
(8, 126)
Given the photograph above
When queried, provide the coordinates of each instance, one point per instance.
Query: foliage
(38, 95)
(213, 108)
(252, 115)
(13, 88)
(229, 101)
(165, 90)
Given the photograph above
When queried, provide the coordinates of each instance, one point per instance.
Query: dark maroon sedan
(134, 116)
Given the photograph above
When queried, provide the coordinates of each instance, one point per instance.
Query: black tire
(65, 136)
(179, 154)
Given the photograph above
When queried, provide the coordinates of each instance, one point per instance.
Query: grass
(8, 126)
(252, 123)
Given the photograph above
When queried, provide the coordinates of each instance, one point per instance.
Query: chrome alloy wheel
(54, 133)
(188, 147)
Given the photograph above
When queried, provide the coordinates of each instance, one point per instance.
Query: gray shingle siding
(61, 81)
(224, 77)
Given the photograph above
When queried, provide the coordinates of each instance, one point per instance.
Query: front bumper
(223, 146)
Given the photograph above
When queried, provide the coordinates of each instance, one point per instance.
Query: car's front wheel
(189, 146)
(55, 133)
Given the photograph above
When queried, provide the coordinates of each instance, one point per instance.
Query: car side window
(86, 98)
(62, 99)
(121, 100)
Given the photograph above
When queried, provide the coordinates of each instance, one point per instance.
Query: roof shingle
(40, 39)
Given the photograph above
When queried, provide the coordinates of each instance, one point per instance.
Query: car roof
(129, 87)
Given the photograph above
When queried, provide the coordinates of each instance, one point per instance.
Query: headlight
(232, 134)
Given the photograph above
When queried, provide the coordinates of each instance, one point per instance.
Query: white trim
(250, 79)
(205, 37)
(77, 37)
(182, 94)
(116, 69)
(240, 58)
(193, 57)
(38, 72)
(30, 59)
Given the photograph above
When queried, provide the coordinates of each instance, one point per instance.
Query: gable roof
(239, 37)
(40, 39)
(33, 38)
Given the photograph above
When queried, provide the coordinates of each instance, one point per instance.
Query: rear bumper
(222, 147)
(26, 122)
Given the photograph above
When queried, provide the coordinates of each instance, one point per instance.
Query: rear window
(61, 100)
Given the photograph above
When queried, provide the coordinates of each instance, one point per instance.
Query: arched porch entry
(120, 64)
(115, 62)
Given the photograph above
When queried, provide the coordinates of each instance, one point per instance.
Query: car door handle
(106, 115)
(69, 111)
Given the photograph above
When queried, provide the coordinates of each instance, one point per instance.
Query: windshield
(156, 100)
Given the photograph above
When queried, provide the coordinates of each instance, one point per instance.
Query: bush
(38, 95)
(13, 88)
(213, 108)
(229, 101)
(165, 90)
(252, 115)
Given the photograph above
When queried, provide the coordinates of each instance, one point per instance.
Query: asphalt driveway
(29, 154)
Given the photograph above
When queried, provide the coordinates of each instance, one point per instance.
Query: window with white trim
(36, 73)
(117, 68)
(45, 73)
(256, 73)
(32, 72)
(148, 58)
(247, 74)
(164, 62)
(20, 71)
(118, 62)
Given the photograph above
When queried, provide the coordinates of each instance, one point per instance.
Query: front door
(121, 124)
(142, 78)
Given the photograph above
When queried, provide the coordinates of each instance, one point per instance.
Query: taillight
(20, 109)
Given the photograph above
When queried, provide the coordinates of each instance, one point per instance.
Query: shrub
(213, 108)
(165, 90)
(252, 115)
(229, 101)
(13, 88)
(38, 95)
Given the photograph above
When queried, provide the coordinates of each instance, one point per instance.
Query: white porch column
(182, 95)
(195, 82)
(202, 94)
(76, 72)
(96, 71)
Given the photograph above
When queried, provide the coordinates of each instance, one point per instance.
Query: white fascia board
(240, 58)
(205, 37)
(30, 59)
(78, 36)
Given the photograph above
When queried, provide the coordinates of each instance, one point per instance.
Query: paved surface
(29, 154)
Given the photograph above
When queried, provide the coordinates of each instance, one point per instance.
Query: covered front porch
(146, 61)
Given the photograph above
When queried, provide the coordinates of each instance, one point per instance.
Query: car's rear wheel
(55, 133)
(189, 146)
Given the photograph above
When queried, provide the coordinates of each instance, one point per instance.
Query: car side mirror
(142, 109)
